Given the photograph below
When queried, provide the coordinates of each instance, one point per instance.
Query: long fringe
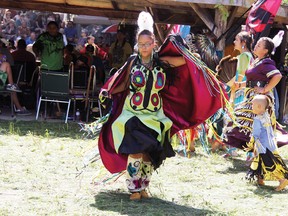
(93, 129)
(109, 179)
(208, 74)
(204, 139)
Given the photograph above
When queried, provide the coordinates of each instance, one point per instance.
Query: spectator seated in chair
(83, 62)
(6, 69)
(97, 62)
(69, 56)
(24, 56)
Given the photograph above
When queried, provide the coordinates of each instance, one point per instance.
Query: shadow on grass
(238, 166)
(37, 128)
(119, 202)
(265, 191)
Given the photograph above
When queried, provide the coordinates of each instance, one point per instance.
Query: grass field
(40, 161)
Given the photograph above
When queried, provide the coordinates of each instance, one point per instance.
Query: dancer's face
(260, 49)
(238, 44)
(145, 46)
(91, 40)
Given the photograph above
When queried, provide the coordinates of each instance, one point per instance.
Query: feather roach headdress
(145, 22)
(277, 40)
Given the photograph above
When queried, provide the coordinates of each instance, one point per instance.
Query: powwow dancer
(268, 164)
(262, 77)
(242, 43)
(154, 94)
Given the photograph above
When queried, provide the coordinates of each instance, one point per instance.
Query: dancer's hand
(237, 85)
(103, 95)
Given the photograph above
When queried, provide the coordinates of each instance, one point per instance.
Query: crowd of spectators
(31, 36)
(28, 25)
(25, 25)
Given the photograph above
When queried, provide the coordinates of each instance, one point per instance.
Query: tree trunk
(221, 24)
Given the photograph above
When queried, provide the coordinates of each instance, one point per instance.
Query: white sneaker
(13, 87)
(23, 111)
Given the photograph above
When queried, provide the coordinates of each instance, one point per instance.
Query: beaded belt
(252, 84)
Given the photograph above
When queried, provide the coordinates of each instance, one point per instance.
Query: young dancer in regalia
(155, 94)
